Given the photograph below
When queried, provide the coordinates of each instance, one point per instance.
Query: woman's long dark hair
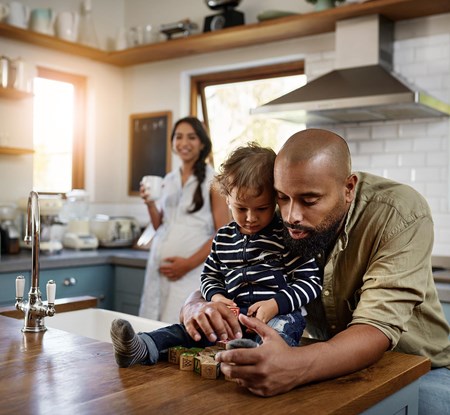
(200, 164)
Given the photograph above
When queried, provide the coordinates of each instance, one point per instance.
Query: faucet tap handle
(20, 286)
(51, 292)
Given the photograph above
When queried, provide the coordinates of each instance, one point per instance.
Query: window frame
(200, 82)
(79, 134)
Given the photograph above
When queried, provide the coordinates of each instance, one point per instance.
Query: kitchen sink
(96, 322)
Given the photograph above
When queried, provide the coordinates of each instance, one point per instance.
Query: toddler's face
(252, 213)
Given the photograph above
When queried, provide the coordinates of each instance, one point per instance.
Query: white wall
(412, 152)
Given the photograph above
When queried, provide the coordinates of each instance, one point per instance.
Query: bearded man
(373, 238)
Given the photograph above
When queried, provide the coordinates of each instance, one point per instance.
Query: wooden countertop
(57, 372)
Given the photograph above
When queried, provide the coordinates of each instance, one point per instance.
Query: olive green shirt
(379, 273)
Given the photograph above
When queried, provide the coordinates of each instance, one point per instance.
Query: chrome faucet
(35, 310)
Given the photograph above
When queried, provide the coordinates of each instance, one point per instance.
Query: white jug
(66, 26)
(4, 11)
(41, 21)
(18, 15)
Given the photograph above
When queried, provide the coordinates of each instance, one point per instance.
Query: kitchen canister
(66, 25)
(41, 21)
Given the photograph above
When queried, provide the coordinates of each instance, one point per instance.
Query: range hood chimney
(362, 87)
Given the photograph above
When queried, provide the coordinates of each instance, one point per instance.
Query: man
(374, 238)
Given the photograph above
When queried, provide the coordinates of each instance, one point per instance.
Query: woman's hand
(175, 267)
(215, 320)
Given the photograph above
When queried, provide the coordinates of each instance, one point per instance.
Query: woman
(185, 218)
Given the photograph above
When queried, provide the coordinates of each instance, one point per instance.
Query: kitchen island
(58, 372)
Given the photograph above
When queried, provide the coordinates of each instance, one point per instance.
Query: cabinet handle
(68, 282)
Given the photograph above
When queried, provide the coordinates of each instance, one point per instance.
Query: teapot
(66, 26)
(41, 21)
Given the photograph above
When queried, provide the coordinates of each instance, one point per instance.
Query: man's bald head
(318, 145)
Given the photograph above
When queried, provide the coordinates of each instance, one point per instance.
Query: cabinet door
(70, 282)
(128, 289)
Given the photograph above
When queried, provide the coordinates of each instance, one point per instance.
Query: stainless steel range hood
(362, 88)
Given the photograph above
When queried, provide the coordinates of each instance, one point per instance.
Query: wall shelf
(240, 36)
(14, 151)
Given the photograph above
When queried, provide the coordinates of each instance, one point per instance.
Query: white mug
(18, 15)
(153, 187)
(66, 26)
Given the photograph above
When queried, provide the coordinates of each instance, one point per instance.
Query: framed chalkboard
(149, 147)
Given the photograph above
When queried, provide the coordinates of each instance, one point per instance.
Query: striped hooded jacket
(251, 268)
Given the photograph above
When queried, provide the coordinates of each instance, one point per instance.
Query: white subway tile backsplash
(413, 129)
(385, 131)
(440, 159)
(384, 160)
(369, 147)
(435, 189)
(428, 174)
(412, 160)
(394, 145)
(428, 144)
(401, 175)
(357, 133)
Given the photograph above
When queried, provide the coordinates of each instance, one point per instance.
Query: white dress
(181, 234)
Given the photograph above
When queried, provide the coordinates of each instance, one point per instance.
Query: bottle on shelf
(87, 34)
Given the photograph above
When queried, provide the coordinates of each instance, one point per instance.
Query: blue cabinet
(128, 285)
(95, 280)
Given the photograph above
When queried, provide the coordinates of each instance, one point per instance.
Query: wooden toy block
(187, 361)
(212, 349)
(210, 369)
(175, 353)
(198, 364)
(199, 360)
(222, 344)
(235, 310)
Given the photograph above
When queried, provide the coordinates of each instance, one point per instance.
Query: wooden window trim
(79, 135)
(200, 82)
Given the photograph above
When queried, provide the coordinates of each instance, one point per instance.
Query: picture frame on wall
(149, 152)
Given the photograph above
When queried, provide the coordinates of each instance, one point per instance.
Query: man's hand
(266, 370)
(275, 368)
(215, 320)
(263, 310)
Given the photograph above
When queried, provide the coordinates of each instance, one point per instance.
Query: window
(223, 100)
(58, 131)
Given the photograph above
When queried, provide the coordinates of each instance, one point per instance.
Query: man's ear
(350, 187)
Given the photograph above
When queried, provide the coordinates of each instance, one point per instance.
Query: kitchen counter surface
(73, 258)
(58, 372)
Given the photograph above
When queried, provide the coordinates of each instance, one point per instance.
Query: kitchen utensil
(66, 25)
(184, 27)
(115, 231)
(222, 4)
(227, 18)
(18, 14)
(9, 233)
(41, 21)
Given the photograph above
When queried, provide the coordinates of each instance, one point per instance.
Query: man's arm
(275, 368)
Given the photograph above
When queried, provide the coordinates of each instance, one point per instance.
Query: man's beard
(319, 239)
